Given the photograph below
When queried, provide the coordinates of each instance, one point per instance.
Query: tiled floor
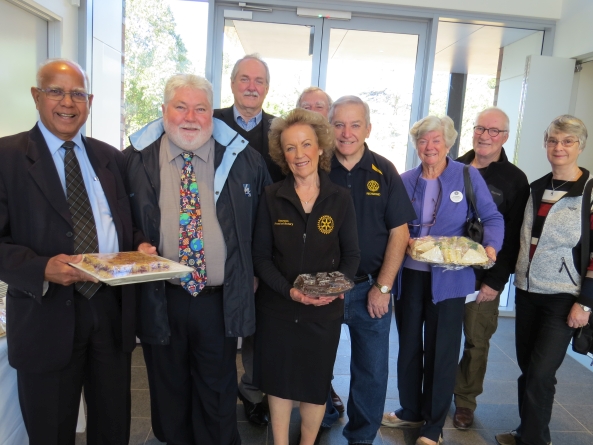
(572, 418)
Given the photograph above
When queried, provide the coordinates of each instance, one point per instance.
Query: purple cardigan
(450, 221)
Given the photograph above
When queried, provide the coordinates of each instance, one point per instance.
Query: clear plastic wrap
(323, 283)
(129, 267)
(450, 252)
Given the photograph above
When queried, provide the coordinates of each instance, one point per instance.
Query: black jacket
(287, 243)
(236, 210)
(510, 190)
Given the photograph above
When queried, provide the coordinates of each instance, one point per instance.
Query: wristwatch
(384, 289)
(585, 308)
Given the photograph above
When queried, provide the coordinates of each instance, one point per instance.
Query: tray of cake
(121, 268)
(323, 283)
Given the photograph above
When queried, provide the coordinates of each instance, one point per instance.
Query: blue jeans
(369, 368)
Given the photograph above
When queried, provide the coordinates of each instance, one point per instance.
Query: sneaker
(391, 420)
(506, 438)
(424, 441)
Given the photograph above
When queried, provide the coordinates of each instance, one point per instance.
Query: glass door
(379, 60)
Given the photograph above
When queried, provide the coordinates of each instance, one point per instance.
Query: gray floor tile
(151, 440)
(561, 438)
(469, 437)
(342, 364)
(138, 357)
(574, 393)
(582, 413)
(139, 430)
(139, 377)
(396, 436)
(252, 435)
(496, 391)
(140, 403)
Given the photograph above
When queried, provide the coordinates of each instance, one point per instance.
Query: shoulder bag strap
(585, 227)
(469, 191)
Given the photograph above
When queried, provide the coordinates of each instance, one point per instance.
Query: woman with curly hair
(305, 224)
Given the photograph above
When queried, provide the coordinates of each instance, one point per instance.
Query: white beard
(185, 141)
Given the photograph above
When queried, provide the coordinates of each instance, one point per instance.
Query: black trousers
(193, 379)
(50, 400)
(426, 370)
(541, 337)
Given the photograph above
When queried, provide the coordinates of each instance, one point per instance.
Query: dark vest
(257, 138)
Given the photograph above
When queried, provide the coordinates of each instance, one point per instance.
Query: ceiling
(460, 47)
(473, 49)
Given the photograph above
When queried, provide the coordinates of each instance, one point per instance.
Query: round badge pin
(456, 196)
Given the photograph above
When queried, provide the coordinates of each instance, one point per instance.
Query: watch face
(384, 289)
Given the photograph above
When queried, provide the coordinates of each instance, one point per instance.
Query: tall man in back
(383, 210)
(510, 190)
(250, 82)
(62, 194)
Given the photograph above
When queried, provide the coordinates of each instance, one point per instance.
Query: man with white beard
(194, 191)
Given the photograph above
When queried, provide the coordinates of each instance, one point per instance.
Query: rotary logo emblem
(325, 224)
(373, 186)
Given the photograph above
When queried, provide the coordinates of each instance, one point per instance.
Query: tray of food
(449, 250)
(323, 283)
(121, 268)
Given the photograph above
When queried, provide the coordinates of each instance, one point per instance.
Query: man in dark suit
(250, 82)
(62, 194)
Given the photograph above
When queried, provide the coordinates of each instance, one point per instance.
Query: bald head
(48, 68)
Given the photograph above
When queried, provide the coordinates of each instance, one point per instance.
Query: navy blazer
(35, 225)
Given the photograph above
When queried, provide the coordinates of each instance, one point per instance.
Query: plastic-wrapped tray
(323, 283)
(449, 250)
(121, 268)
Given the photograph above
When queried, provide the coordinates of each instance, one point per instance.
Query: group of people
(251, 201)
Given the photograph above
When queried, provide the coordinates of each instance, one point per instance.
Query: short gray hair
(350, 100)
(497, 110)
(433, 123)
(39, 77)
(569, 124)
(187, 81)
(313, 90)
(253, 56)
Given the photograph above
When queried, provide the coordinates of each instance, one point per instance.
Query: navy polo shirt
(380, 201)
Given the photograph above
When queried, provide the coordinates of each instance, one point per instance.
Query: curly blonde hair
(299, 116)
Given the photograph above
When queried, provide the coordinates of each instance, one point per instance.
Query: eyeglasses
(56, 94)
(491, 131)
(553, 143)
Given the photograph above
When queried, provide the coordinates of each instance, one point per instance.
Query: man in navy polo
(383, 210)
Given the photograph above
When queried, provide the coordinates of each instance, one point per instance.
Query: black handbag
(473, 224)
(582, 340)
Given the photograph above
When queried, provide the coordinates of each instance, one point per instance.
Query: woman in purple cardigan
(430, 300)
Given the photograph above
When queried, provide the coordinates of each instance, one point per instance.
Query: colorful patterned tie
(85, 231)
(191, 245)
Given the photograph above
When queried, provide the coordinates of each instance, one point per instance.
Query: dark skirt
(295, 361)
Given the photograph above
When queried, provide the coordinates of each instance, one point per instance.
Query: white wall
(69, 16)
(105, 121)
(546, 93)
(543, 9)
(511, 81)
(582, 99)
(574, 33)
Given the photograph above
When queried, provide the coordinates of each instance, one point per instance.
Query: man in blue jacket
(194, 191)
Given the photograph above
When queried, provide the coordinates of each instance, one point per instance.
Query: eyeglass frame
(82, 93)
(546, 142)
(489, 131)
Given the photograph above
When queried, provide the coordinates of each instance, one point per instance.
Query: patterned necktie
(85, 231)
(191, 245)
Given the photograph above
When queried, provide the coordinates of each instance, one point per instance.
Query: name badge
(456, 196)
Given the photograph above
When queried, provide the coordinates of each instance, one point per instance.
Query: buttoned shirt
(171, 165)
(106, 232)
(251, 123)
